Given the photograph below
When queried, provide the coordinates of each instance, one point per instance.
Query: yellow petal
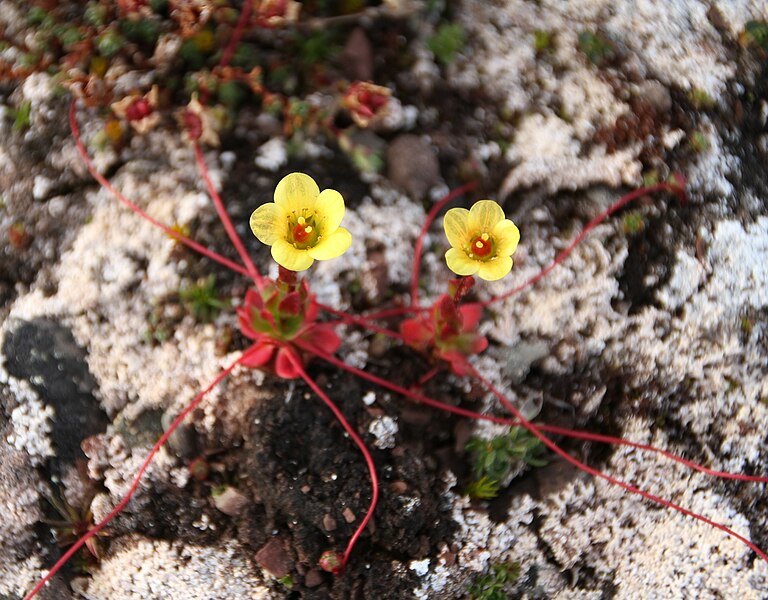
(291, 258)
(492, 270)
(329, 211)
(456, 225)
(296, 191)
(331, 246)
(484, 215)
(506, 235)
(460, 263)
(268, 223)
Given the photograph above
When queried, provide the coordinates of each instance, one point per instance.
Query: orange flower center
(303, 234)
(481, 246)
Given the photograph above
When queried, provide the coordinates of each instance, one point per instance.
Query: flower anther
(302, 224)
(482, 240)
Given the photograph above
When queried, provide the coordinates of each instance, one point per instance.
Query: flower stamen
(481, 246)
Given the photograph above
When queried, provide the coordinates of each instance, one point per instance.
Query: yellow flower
(482, 240)
(302, 224)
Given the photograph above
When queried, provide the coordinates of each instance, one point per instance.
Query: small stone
(656, 95)
(412, 165)
(357, 56)
(348, 515)
(230, 501)
(329, 523)
(398, 487)
(313, 578)
(274, 558)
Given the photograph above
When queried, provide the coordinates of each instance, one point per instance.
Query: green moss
(447, 42)
(542, 41)
(110, 43)
(144, 32)
(650, 178)
(22, 116)
(492, 459)
(231, 93)
(596, 47)
(38, 16)
(492, 586)
(95, 14)
(700, 99)
(202, 299)
(698, 141)
(633, 222)
(756, 33)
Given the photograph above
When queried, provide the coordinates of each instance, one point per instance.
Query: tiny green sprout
(698, 142)
(231, 93)
(542, 40)
(109, 43)
(596, 47)
(68, 35)
(746, 325)
(633, 222)
(202, 299)
(22, 116)
(650, 178)
(158, 6)
(700, 99)
(145, 31)
(315, 47)
(95, 14)
(483, 489)
(286, 581)
(492, 459)
(756, 33)
(447, 42)
(37, 16)
(492, 585)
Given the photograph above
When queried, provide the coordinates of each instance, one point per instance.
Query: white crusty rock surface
(684, 369)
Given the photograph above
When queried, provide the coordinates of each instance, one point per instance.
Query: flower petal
(268, 223)
(296, 191)
(331, 246)
(456, 225)
(507, 236)
(495, 269)
(460, 263)
(484, 215)
(289, 257)
(329, 211)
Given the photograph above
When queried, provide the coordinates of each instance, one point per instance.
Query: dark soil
(307, 473)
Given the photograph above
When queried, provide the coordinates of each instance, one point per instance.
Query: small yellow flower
(482, 240)
(302, 224)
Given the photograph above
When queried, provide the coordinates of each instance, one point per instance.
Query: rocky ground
(654, 329)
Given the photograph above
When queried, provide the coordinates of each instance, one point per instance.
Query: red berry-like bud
(331, 561)
(199, 468)
(138, 109)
